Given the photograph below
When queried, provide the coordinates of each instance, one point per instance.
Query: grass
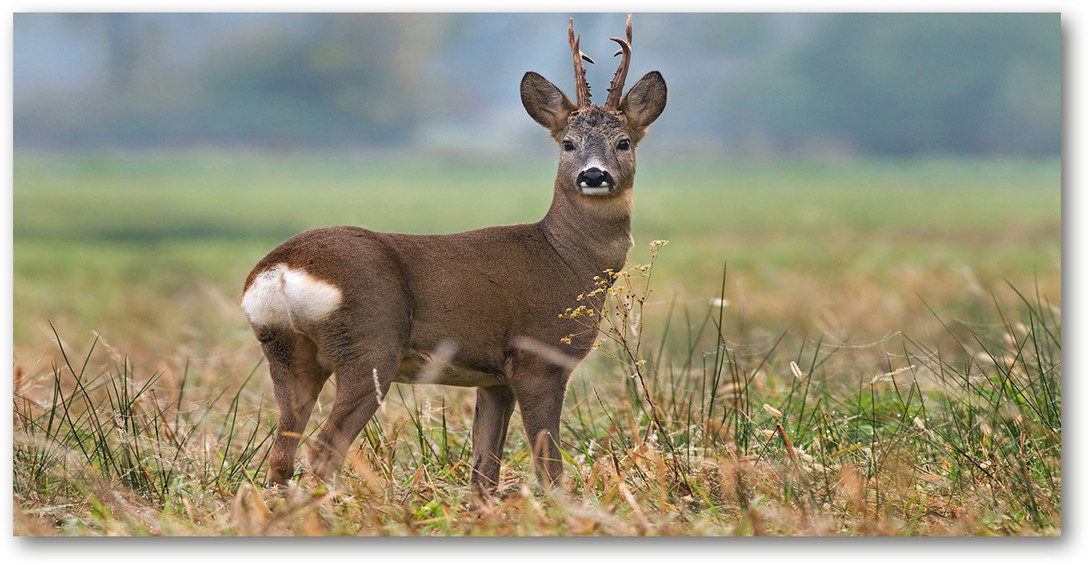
(881, 355)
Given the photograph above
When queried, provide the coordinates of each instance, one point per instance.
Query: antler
(615, 90)
(581, 87)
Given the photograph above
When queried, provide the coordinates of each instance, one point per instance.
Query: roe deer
(375, 308)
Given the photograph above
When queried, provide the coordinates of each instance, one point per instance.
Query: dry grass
(713, 438)
(905, 391)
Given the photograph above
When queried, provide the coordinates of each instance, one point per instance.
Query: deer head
(597, 144)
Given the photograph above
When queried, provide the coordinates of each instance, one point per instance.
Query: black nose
(594, 177)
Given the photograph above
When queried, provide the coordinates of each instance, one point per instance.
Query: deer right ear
(645, 101)
(545, 103)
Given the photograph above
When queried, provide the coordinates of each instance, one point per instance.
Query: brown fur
(495, 294)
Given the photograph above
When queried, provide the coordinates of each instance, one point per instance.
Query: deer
(478, 309)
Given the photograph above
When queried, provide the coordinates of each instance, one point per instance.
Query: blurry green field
(891, 284)
(91, 231)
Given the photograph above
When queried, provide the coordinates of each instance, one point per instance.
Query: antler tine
(615, 90)
(581, 86)
(628, 36)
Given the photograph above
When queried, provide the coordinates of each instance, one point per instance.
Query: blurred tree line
(912, 83)
(889, 84)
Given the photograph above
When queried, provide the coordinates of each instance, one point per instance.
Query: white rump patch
(282, 296)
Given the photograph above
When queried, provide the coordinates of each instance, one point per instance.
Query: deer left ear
(645, 101)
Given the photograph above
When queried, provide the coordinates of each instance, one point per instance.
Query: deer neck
(591, 234)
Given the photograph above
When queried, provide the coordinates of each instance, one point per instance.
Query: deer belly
(427, 368)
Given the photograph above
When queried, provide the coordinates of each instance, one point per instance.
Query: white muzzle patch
(600, 190)
(595, 190)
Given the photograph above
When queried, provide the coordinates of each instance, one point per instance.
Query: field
(852, 348)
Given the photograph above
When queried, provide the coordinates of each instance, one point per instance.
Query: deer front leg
(539, 387)
(494, 406)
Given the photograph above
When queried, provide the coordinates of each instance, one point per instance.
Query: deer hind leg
(362, 382)
(297, 379)
(494, 406)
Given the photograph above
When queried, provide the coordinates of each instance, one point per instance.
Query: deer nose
(594, 177)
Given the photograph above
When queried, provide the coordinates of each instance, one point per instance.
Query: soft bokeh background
(158, 156)
(740, 85)
(896, 153)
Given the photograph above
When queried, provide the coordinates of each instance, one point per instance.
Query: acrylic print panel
(840, 313)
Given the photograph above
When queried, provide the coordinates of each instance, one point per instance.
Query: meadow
(860, 347)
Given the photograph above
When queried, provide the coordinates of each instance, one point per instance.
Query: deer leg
(360, 386)
(297, 380)
(539, 387)
(494, 405)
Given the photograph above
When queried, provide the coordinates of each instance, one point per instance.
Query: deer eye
(567, 145)
(623, 145)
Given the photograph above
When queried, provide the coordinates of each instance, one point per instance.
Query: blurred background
(740, 85)
(841, 164)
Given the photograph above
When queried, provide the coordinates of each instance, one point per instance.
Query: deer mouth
(595, 190)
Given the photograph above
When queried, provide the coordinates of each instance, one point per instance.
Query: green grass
(210, 217)
(920, 301)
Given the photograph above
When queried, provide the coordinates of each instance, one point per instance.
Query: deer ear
(645, 101)
(545, 103)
